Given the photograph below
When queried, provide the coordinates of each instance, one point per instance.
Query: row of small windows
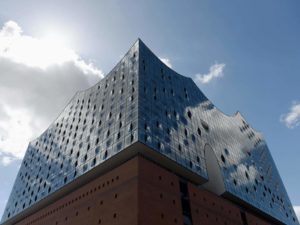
(130, 128)
(199, 132)
(228, 153)
(247, 190)
(99, 187)
(156, 94)
(93, 163)
(105, 155)
(204, 199)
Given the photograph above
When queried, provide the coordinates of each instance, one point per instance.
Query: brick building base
(141, 192)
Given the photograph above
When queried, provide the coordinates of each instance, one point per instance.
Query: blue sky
(253, 45)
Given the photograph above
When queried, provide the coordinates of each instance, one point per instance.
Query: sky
(244, 56)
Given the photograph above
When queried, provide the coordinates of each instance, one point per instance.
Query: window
(94, 162)
(179, 148)
(247, 175)
(226, 151)
(189, 114)
(199, 131)
(223, 158)
(105, 155)
(205, 125)
(130, 127)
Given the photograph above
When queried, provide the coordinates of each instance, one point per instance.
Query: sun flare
(42, 53)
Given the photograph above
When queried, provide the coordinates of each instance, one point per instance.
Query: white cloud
(6, 160)
(241, 169)
(40, 53)
(37, 80)
(297, 211)
(166, 61)
(292, 118)
(215, 71)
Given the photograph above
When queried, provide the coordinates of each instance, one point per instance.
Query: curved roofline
(76, 93)
(139, 41)
(84, 90)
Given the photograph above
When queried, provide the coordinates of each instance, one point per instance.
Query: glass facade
(142, 100)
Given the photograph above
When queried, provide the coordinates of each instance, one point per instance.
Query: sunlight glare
(35, 52)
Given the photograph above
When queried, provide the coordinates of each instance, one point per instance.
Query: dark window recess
(179, 148)
(94, 162)
(205, 125)
(189, 114)
(244, 219)
(105, 155)
(234, 181)
(185, 203)
(226, 151)
(223, 158)
(247, 175)
(199, 132)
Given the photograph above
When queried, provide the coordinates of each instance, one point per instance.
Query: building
(145, 146)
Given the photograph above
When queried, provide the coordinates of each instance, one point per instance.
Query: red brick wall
(159, 196)
(208, 209)
(254, 220)
(138, 192)
(109, 199)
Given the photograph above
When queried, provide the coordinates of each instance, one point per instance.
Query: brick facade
(139, 192)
